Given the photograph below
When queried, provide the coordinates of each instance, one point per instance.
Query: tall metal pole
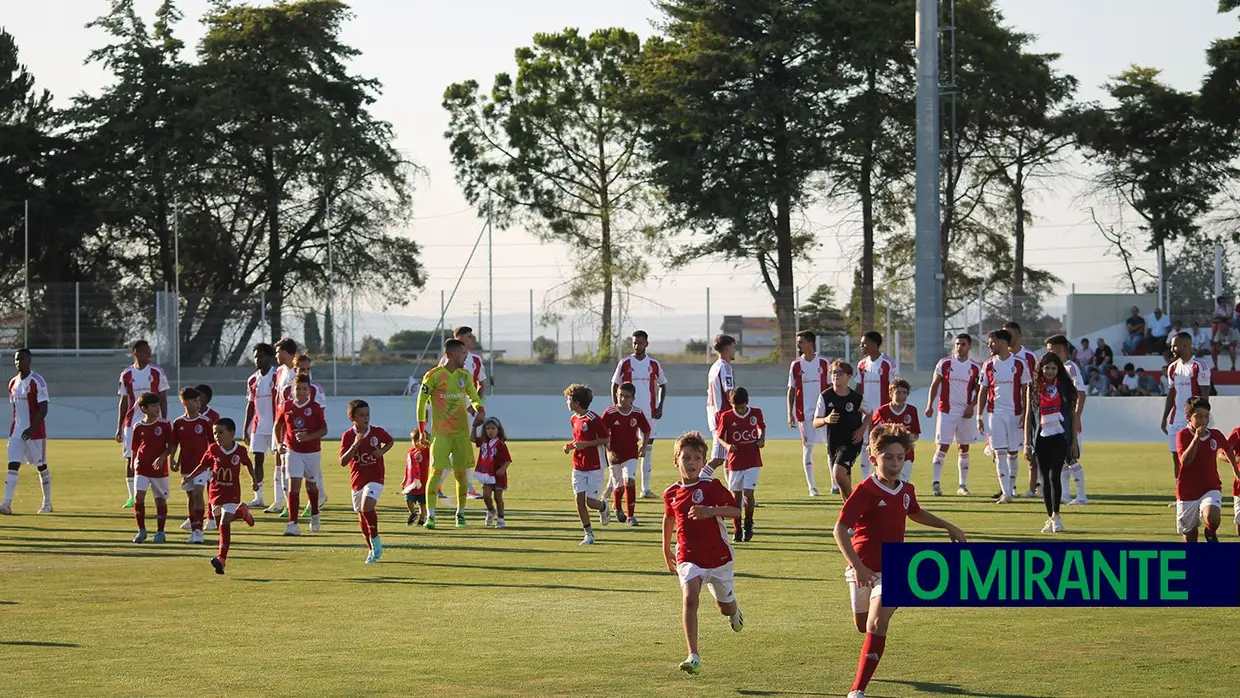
(1218, 271)
(532, 323)
(928, 270)
(176, 275)
(353, 327)
(490, 294)
(331, 294)
(708, 336)
(26, 265)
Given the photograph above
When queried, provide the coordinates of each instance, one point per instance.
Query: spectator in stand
(1224, 333)
(1085, 359)
(1104, 357)
(1157, 325)
(1136, 328)
(1201, 339)
(1130, 384)
(1149, 382)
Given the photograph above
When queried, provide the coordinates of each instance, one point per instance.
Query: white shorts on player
(370, 490)
(127, 442)
(588, 481)
(718, 579)
(1235, 507)
(32, 452)
(741, 480)
(158, 486)
(1005, 432)
(1172, 431)
(202, 480)
(484, 479)
(949, 428)
(305, 465)
(861, 596)
(1189, 515)
(809, 435)
(260, 441)
(620, 472)
(717, 451)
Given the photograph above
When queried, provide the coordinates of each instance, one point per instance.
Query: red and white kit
(1234, 440)
(877, 514)
(808, 378)
(150, 442)
(1186, 379)
(906, 418)
(492, 453)
(588, 462)
(1198, 485)
(957, 389)
(25, 394)
(1004, 384)
(874, 381)
(702, 545)
(224, 471)
(365, 470)
(646, 375)
(260, 391)
(135, 381)
(303, 459)
(626, 431)
(192, 437)
(719, 383)
(417, 469)
(745, 459)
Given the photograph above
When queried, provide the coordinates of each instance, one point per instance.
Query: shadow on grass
(8, 603)
(476, 585)
(33, 643)
(948, 689)
(755, 692)
(165, 553)
(581, 570)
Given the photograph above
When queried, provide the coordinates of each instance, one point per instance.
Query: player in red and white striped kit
(28, 430)
(955, 384)
(286, 351)
(630, 432)
(719, 384)
(874, 373)
(260, 414)
(141, 377)
(809, 376)
(1030, 360)
(1187, 376)
(1003, 382)
(649, 381)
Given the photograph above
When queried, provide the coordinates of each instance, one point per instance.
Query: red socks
(372, 522)
(139, 513)
(365, 526)
(617, 498)
(630, 491)
(225, 541)
(294, 506)
(243, 513)
(314, 502)
(161, 513)
(871, 652)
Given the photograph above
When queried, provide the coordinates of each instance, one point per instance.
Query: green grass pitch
(526, 612)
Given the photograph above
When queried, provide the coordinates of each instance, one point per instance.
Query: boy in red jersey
(209, 413)
(191, 434)
(362, 448)
(874, 514)
(417, 473)
(223, 462)
(152, 445)
(695, 507)
(631, 434)
(589, 449)
(742, 432)
(301, 428)
(1234, 441)
(1198, 489)
(898, 412)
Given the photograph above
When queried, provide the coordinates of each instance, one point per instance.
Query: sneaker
(420, 522)
(186, 525)
(141, 537)
(1211, 537)
(5, 509)
(315, 523)
(306, 512)
(963, 491)
(211, 525)
(201, 538)
(748, 534)
(256, 503)
(621, 517)
(1080, 499)
(1056, 524)
(588, 539)
(441, 495)
(1028, 494)
(376, 547)
(460, 519)
(1049, 526)
(370, 557)
(499, 523)
(813, 491)
(1004, 499)
(284, 512)
(430, 523)
(691, 666)
(46, 508)
(292, 529)
(160, 537)
(218, 564)
(856, 694)
(604, 516)
(273, 509)
(997, 495)
(473, 495)
(737, 536)
(490, 519)
(632, 521)
(936, 490)
(128, 503)
(737, 620)
(412, 518)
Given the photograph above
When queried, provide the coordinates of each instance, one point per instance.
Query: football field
(527, 612)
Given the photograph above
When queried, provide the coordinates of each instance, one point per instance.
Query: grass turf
(525, 611)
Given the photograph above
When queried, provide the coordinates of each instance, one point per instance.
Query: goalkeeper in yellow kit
(450, 390)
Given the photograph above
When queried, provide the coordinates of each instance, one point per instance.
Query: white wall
(545, 417)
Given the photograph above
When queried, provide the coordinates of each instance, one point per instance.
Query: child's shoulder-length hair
(499, 427)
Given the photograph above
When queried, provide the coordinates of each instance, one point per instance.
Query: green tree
(738, 106)
(313, 336)
(372, 345)
(553, 148)
(546, 351)
(414, 341)
(820, 313)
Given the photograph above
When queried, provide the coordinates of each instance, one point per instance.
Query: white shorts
(1188, 515)
(484, 479)
(260, 441)
(906, 473)
(717, 579)
(371, 490)
(747, 479)
(157, 485)
(949, 428)
(1172, 431)
(622, 471)
(1005, 432)
(305, 465)
(588, 481)
(221, 509)
(32, 452)
(809, 435)
(654, 424)
(202, 480)
(126, 442)
(861, 596)
(717, 451)
(1235, 507)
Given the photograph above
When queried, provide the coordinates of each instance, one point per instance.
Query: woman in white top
(1049, 431)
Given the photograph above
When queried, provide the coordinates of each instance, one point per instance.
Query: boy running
(152, 446)
(897, 412)
(589, 449)
(1198, 489)
(362, 448)
(450, 392)
(631, 433)
(191, 435)
(695, 508)
(301, 427)
(840, 411)
(742, 432)
(222, 465)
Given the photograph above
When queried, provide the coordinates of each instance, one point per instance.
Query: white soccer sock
(807, 454)
(809, 476)
(866, 468)
(1065, 488)
(937, 465)
(129, 487)
(1078, 474)
(10, 486)
(1013, 472)
(259, 492)
(280, 483)
(1001, 470)
(45, 479)
(962, 464)
(647, 468)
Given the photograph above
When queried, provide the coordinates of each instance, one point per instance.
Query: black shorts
(416, 498)
(843, 455)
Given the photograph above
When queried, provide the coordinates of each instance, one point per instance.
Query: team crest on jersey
(460, 382)
(158, 431)
(848, 407)
(906, 502)
(374, 441)
(697, 496)
(236, 460)
(299, 423)
(632, 421)
(1213, 445)
(307, 412)
(908, 419)
(197, 428)
(753, 421)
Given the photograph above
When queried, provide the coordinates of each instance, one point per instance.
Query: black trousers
(1051, 452)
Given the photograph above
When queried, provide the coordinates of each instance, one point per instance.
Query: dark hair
(189, 392)
(499, 428)
(1063, 382)
(1195, 403)
(453, 344)
(1000, 335)
(462, 331)
(899, 383)
(642, 334)
(628, 388)
(355, 405)
(809, 336)
(1140, 370)
(739, 396)
(841, 365)
(287, 344)
(580, 394)
(140, 344)
(723, 341)
(301, 378)
(1128, 366)
(148, 399)
(206, 392)
(1011, 325)
(303, 358)
(966, 337)
(1059, 340)
(874, 337)
(265, 349)
(1183, 335)
(24, 352)
(227, 423)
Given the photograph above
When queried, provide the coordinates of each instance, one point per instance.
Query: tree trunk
(274, 263)
(785, 301)
(606, 338)
(1018, 271)
(866, 190)
(243, 340)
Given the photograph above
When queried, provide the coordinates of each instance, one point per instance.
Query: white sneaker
(210, 525)
(813, 491)
(46, 508)
(856, 694)
(195, 537)
(256, 503)
(186, 525)
(1005, 499)
(292, 529)
(647, 494)
(1056, 524)
(5, 509)
(1048, 527)
(737, 620)
(588, 539)
(632, 521)
(963, 491)
(315, 523)
(604, 516)
(499, 523)
(274, 509)
(1029, 494)
(1079, 499)
(490, 519)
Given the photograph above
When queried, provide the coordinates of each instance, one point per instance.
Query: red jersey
(25, 394)
(492, 453)
(193, 437)
(877, 515)
(589, 427)
(225, 467)
(304, 418)
(1234, 441)
(703, 542)
(150, 441)
(417, 467)
(1200, 475)
(317, 394)
(364, 468)
(211, 415)
(742, 431)
(626, 432)
(907, 419)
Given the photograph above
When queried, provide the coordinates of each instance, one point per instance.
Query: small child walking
(417, 462)
(492, 468)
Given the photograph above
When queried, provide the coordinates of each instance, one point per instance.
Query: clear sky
(417, 47)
